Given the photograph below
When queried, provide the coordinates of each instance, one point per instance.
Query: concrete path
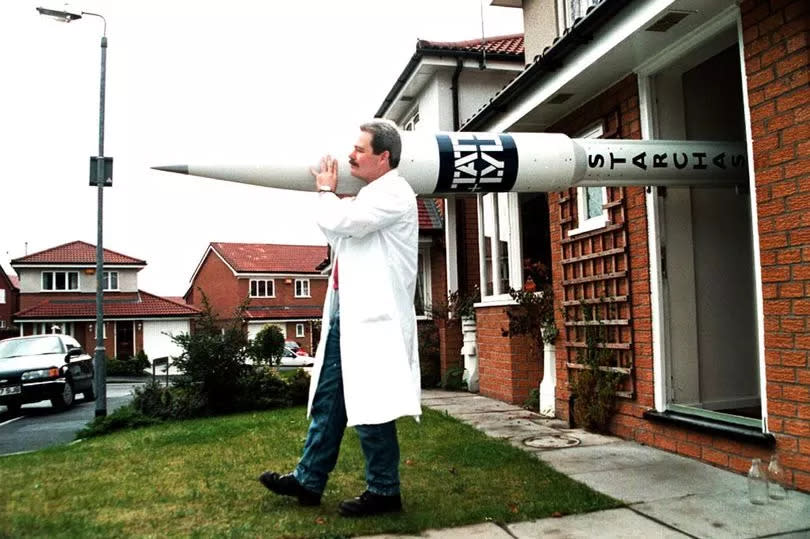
(667, 495)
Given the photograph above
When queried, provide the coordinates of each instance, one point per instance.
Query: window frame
(53, 276)
(423, 276)
(302, 294)
(106, 281)
(412, 121)
(300, 330)
(267, 282)
(565, 17)
(2, 296)
(595, 130)
(507, 209)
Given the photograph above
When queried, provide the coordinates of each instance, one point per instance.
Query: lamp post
(100, 175)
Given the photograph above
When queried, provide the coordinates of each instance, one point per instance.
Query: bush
(298, 388)
(429, 358)
(125, 417)
(129, 366)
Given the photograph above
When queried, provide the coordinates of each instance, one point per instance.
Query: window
(60, 280)
(302, 288)
(299, 330)
(590, 213)
(262, 288)
(2, 295)
(110, 280)
(570, 10)
(517, 245)
(2, 324)
(422, 297)
(412, 121)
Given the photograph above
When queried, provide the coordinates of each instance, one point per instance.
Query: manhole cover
(551, 441)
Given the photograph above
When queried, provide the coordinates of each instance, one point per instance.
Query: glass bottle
(776, 479)
(757, 483)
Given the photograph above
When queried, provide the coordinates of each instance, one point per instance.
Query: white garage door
(155, 341)
(256, 327)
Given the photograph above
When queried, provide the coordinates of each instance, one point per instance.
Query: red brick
(781, 374)
(781, 155)
(781, 408)
(796, 393)
(791, 63)
(774, 54)
(715, 457)
(798, 167)
(794, 359)
(791, 290)
(797, 427)
(796, 42)
(799, 202)
(793, 100)
(794, 460)
(796, 133)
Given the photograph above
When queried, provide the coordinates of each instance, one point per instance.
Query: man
(366, 371)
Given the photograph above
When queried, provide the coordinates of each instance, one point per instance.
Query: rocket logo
(476, 162)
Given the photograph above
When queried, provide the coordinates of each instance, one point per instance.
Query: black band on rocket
(476, 162)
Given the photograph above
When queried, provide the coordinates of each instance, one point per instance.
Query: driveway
(39, 425)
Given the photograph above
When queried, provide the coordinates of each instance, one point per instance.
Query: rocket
(458, 163)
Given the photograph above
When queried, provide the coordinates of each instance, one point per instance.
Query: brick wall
(508, 370)
(775, 37)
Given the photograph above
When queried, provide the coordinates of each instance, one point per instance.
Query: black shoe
(288, 485)
(368, 504)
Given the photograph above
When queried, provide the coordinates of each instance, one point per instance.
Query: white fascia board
(280, 276)
(106, 319)
(427, 67)
(204, 256)
(57, 266)
(254, 321)
(614, 33)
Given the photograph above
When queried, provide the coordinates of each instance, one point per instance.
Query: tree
(267, 345)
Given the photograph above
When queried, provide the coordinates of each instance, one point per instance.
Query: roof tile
(76, 252)
(116, 305)
(271, 258)
(509, 44)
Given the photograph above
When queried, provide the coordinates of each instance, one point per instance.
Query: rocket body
(447, 164)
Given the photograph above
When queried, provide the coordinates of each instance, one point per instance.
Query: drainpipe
(454, 91)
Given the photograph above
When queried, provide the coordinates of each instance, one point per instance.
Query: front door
(123, 340)
(707, 256)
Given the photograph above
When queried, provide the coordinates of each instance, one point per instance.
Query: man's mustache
(352, 163)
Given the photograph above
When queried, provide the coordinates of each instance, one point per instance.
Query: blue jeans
(379, 442)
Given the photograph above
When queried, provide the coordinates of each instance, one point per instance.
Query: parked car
(295, 347)
(43, 367)
(291, 359)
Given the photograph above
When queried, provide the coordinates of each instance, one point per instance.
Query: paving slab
(487, 530)
(475, 405)
(613, 523)
(730, 514)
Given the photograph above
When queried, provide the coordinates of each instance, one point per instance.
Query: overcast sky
(193, 82)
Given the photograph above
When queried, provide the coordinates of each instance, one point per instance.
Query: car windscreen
(30, 347)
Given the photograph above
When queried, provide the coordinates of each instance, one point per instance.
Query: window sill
(752, 435)
(589, 225)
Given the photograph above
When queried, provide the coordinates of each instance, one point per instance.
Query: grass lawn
(200, 478)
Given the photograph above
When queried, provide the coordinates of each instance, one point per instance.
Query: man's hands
(327, 176)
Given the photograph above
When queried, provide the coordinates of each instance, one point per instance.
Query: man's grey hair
(384, 137)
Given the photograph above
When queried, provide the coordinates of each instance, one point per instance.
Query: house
(703, 290)
(9, 300)
(283, 284)
(442, 84)
(58, 294)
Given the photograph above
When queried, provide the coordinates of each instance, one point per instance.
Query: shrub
(454, 379)
(298, 388)
(429, 358)
(125, 417)
(129, 366)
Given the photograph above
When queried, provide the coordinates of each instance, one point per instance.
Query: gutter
(420, 53)
(552, 59)
(454, 91)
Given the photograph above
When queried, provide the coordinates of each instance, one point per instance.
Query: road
(39, 426)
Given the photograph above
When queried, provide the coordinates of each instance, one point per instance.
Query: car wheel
(65, 400)
(14, 408)
(90, 392)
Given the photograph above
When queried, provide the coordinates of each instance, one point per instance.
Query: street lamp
(100, 176)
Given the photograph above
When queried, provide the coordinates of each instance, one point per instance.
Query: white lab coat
(374, 237)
